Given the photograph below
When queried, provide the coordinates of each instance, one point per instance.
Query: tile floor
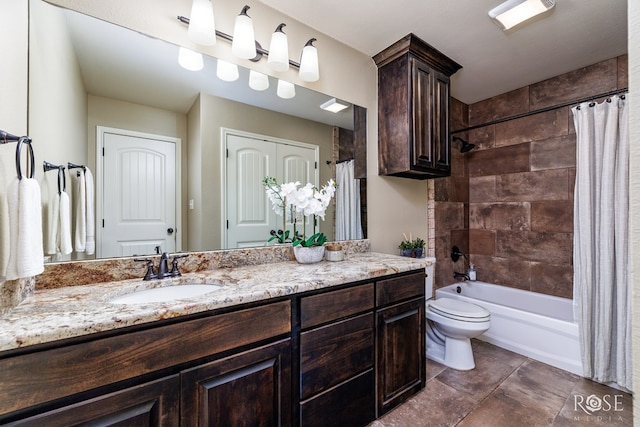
(506, 390)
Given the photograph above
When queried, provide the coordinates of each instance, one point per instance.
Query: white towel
(54, 224)
(90, 213)
(26, 257)
(5, 245)
(80, 211)
(65, 224)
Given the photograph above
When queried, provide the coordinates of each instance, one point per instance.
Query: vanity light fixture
(202, 27)
(309, 71)
(244, 40)
(189, 59)
(227, 71)
(333, 105)
(513, 12)
(285, 89)
(258, 81)
(279, 50)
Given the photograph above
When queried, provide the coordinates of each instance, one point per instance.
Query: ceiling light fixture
(513, 12)
(202, 27)
(333, 105)
(244, 39)
(279, 50)
(190, 60)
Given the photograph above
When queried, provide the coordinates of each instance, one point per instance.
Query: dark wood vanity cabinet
(334, 357)
(413, 110)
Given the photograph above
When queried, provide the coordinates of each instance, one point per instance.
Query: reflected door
(250, 217)
(139, 195)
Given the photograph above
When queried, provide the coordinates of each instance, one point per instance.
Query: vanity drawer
(331, 354)
(328, 306)
(400, 288)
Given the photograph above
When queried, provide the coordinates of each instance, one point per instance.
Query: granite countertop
(65, 312)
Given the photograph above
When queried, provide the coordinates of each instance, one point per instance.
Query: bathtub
(535, 325)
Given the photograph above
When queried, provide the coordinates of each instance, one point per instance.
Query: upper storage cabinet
(413, 110)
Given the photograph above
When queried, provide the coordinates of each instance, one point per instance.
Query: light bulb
(309, 71)
(227, 71)
(279, 50)
(189, 59)
(258, 81)
(202, 28)
(244, 40)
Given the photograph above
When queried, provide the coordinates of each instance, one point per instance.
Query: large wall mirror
(94, 85)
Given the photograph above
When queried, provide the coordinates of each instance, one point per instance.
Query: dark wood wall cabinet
(340, 356)
(413, 110)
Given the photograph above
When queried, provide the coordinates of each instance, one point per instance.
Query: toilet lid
(450, 306)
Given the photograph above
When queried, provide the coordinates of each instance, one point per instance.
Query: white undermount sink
(167, 293)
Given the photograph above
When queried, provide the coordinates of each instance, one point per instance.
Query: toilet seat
(459, 310)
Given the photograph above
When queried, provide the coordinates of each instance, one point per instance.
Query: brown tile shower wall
(514, 216)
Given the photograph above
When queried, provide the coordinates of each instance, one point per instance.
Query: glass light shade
(202, 29)
(258, 81)
(513, 12)
(227, 71)
(244, 40)
(279, 52)
(286, 90)
(189, 59)
(309, 71)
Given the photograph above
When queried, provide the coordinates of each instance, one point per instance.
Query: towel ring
(30, 159)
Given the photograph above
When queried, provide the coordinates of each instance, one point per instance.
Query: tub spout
(463, 276)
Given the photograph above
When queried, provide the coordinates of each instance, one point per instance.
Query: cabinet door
(252, 388)
(150, 404)
(430, 119)
(401, 353)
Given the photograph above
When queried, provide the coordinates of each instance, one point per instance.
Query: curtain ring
(30, 159)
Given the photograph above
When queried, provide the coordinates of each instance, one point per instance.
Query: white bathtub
(535, 325)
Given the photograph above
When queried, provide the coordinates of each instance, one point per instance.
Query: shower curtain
(602, 292)
(348, 224)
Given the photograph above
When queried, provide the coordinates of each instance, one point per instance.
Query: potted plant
(418, 247)
(410, 247)
(406, 246)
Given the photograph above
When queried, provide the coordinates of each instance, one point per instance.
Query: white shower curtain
(602, 293)
(348, 224)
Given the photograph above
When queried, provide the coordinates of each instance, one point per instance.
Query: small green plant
(410, 247)
(317, 239)
(418, 243)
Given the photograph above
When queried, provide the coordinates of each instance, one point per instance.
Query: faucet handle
(150, 275)
(174, 265)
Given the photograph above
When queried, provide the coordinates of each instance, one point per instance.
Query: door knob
(170, 230)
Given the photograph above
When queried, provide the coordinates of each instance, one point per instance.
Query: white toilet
(450, 326)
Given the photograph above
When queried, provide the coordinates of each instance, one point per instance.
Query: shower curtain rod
(543, 110)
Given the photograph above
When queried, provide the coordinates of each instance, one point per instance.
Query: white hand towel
(5, 245)
(90, 213)
(26, 257)
(54, 224)
(79, 208)
(65, 224)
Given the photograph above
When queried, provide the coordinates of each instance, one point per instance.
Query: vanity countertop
(65, 312)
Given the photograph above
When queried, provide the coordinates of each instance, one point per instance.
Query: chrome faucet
(163, 267)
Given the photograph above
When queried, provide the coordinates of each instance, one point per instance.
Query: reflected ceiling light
(279, 50)
(285, 89)
(244, 40)
(513, 12)
(189, 59)
(258, 81)
(309, 71)
(202, 28)
(227, 71)
(333, 105)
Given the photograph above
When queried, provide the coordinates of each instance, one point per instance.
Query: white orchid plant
(308, 200)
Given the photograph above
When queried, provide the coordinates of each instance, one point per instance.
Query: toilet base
(456, 353)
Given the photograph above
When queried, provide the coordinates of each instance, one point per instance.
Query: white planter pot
(308, 255)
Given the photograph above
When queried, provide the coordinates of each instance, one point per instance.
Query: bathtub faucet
(456, 253)
(463, 276)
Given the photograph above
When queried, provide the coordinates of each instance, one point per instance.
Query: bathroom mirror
(87, 74)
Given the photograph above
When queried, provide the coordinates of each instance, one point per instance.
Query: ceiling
(574, 34)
